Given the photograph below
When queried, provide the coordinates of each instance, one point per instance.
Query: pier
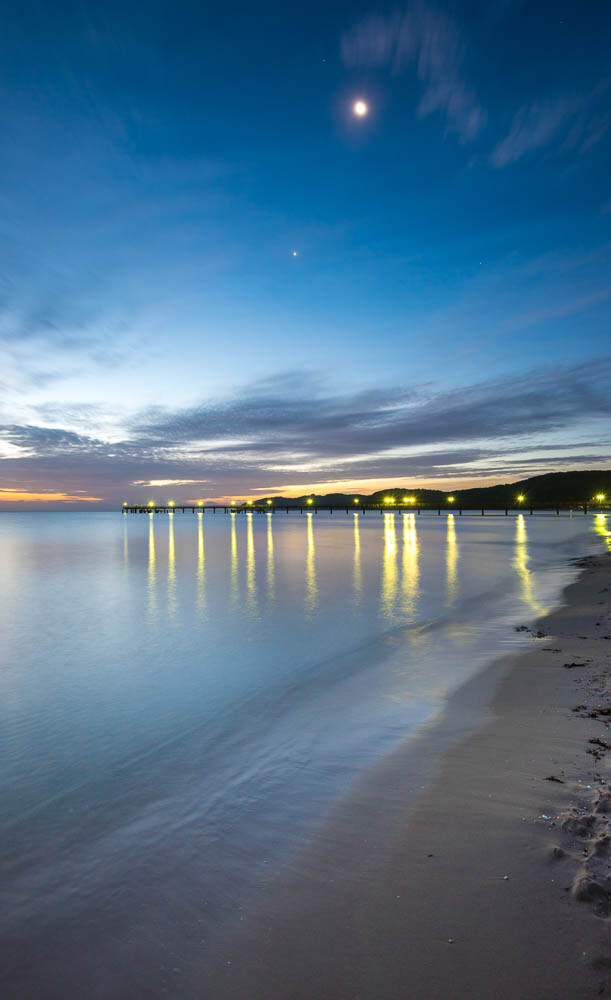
(557, 510)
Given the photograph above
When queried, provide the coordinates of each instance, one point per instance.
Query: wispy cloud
(295, 426)
(574, 122)
(427, 39)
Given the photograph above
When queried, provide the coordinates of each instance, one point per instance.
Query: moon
(360, 108)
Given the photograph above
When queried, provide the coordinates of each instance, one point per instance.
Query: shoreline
(494, 882)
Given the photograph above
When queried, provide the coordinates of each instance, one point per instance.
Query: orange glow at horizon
(368, 486)
(20, 496)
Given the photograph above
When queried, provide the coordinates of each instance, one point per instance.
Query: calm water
(184, 696)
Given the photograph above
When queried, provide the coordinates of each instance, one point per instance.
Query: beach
(495, 883)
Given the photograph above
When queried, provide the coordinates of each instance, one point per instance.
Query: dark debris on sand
(585, 825)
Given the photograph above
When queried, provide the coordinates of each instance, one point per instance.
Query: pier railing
(557, 510)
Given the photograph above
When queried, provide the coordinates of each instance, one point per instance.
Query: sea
(185, 697)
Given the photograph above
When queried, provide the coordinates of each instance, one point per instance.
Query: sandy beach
(485, 876)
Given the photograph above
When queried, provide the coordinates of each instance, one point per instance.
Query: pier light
(409, 499)
(249, 503)
(233, 503)
(170, 503)
(389, 499)
(200, 503)
(151, 503)
(269, 503)
(520, 499)
(356, 500)
(125, 503)
(450, 499)
(310, 500)
(600, 497)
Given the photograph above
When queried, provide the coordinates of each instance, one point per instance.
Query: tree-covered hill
(573, 488)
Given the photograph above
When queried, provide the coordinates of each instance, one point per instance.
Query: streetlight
(171, 503)
(520, 499)
(309, 500)
(389, 499)
(450, 499)
(600, 497)
(269, 503)
(151, 503)
(249, 503)
(200, 503)
(356, 500)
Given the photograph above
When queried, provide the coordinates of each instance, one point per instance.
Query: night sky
(218, 281)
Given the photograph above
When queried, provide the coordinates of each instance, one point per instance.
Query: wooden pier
(360, 508)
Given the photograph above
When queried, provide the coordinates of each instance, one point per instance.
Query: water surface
(185, 696)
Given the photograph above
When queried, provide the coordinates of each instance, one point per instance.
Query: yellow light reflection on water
(251, 584)
(389, 567)
(152, 573)
(311, 596)
(520, 561)
(451, 561)
(125, 549)
(201, 564)
(234, 560)
(601, 528)
(171, 567)
(357, 575)
(270, 560)
(411, 570)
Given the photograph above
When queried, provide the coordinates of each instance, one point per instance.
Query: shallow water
(183, 696)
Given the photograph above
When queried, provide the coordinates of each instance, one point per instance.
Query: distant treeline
(564, 488)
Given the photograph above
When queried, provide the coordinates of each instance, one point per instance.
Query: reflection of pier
(397, 508)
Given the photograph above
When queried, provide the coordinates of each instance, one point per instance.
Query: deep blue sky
(446, 316)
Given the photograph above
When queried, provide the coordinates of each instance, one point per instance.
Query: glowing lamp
(450, 499)
(171, 503)
(269, 503)
(200, 503)
(356, 500)
(151, 503)
(600, 497)
(520, 499)
(310, 500)
(125, 503)
(249, 503)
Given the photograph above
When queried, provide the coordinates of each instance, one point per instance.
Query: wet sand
(479, 872)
